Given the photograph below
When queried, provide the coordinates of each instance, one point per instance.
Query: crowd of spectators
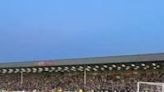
(100, 81)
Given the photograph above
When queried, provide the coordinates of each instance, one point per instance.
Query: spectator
(124, 81)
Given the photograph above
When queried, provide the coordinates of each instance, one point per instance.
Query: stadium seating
(104, 81)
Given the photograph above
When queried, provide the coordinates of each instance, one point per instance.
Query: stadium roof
(92, 60)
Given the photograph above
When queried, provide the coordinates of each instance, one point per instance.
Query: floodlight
(110, 68)
(133, 65)
(158, 66)
(34, 70)
(127, 67)
(143, 64)
(40, 69)
(17, 70)
(96, 66)
(154, 64)
(4, 70)
(88, 66)
(66, 68)
(105, 66)
(123, 65)
(114, 66)
(102, 69)
(10, 70)
(23, 70)
(118, 68)
(94, 69)
(46, 69)
(28, 70)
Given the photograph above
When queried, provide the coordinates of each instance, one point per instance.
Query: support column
(138, 86)
(85, 75)
(21, 79)
(162, 87)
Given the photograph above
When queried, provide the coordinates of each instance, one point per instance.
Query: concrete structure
(144, 61)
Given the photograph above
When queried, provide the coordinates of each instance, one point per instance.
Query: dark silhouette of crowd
(100, 81)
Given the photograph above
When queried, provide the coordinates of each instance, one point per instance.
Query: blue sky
(59, 29)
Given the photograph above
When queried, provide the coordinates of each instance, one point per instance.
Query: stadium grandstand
(129, 73)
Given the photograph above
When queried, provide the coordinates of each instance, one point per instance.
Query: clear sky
(59, 29)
